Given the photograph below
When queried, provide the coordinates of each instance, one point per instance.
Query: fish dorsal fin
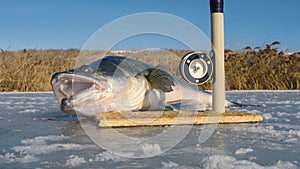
(160, 79)
(162, 67)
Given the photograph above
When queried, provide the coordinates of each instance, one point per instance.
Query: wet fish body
(116, 83)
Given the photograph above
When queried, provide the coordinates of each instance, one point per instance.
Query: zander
(116, 83)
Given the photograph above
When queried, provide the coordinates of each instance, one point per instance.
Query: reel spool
(196, 68)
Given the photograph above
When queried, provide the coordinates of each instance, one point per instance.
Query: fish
(120, 83)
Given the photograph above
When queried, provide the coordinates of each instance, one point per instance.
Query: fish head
(109, 84)
(84, 90)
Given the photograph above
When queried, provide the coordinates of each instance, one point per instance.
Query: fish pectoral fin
(160, 79)
(188, 105)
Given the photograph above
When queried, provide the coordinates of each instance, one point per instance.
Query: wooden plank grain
(162, 118)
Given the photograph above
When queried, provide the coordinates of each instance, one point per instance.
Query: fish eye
(86, 69)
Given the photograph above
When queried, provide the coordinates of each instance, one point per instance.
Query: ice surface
(34, 133)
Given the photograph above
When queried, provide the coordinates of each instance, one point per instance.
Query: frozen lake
(34, 133)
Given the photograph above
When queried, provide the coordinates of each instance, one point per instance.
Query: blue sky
(66, 24)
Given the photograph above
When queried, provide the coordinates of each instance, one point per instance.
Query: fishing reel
(196, 68)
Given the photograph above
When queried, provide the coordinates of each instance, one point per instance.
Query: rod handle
(216, 6)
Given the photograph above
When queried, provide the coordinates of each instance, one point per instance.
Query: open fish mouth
(74, 90)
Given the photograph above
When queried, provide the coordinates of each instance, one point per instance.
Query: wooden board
(162, 118)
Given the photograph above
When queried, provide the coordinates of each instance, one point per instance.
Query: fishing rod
(199, 67)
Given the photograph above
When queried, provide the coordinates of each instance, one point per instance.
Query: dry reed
(255, 69)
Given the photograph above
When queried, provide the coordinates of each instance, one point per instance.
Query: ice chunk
(42, 139)
(31, 148)
(225, 161)
(75, 161)
(108, 156)
(45, 148)
(5, 103)
(269, 117)
(150, 149)
(30, 111)
(243, 151)
(11, 157)
(298, 115)
(173, 165)
(169, 164)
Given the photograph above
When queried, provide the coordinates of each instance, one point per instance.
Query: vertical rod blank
(217, 38)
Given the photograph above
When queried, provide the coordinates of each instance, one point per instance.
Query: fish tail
(236, 104)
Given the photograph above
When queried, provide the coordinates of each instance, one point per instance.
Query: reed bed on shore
(264, 68)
